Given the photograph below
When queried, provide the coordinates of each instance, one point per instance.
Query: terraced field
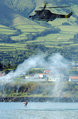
(55, 36)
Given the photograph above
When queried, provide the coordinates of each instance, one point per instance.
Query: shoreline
(37, 99)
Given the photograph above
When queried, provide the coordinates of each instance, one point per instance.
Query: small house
(73, 78)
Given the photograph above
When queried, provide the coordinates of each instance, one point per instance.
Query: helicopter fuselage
(47, 15)
(44, 15)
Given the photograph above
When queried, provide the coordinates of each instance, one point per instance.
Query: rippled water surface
(39, 110)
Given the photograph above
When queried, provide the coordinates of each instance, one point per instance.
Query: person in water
(25, 103)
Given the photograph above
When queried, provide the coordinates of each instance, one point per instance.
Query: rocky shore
(37, 99)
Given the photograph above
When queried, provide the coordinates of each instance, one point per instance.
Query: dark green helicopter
(46, 15)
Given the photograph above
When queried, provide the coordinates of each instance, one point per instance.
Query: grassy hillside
(20, 37)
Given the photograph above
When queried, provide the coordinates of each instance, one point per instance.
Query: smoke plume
(56, 64)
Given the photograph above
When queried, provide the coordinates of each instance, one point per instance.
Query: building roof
(47, 71)
(73, 77)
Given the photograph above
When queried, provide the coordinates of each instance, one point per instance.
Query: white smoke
(59, 67)
(21, 70)
(56, 63)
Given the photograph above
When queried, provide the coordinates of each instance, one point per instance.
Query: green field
(25, 36)
(22, 37)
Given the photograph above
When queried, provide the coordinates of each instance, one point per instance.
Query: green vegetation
(21, 37)
(37, 89)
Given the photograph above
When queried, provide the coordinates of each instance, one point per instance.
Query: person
(25, 103)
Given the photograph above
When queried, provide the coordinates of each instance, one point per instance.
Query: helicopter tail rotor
(68, 16)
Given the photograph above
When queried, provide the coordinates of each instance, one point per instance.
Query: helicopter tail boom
(64, 16)
(68, 16)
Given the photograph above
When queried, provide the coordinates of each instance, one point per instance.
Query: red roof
(73, 77)
(47, 71)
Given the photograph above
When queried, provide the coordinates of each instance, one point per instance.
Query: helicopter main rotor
(45, 6)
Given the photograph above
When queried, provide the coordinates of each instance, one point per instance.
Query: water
(38, 110)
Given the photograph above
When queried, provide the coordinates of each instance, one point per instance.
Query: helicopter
(46, 15)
